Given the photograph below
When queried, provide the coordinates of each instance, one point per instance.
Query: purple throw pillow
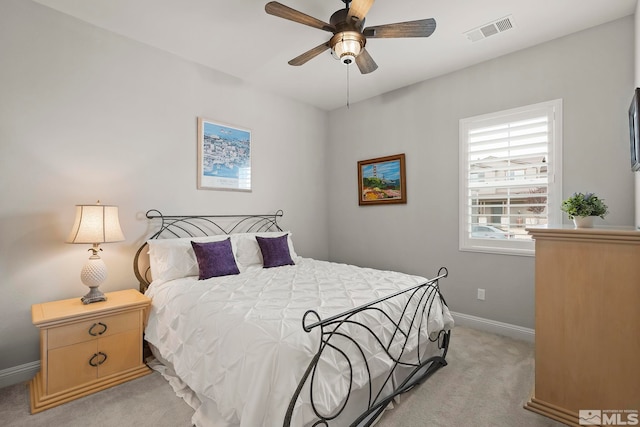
(275, 251)
(215, 259)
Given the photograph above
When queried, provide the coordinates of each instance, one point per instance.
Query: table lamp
(95, 224)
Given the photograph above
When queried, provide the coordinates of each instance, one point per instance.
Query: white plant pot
(583, 221)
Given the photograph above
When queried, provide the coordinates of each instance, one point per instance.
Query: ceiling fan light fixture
(346, 46)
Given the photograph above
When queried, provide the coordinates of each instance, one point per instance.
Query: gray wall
(85, 115)
(637, 84)
(592, 71)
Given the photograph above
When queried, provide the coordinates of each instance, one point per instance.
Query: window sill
(499, 251)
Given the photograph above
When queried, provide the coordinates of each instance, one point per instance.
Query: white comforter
(237, 341)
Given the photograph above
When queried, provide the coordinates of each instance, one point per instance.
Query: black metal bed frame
(201, 225)
(411, 336)
(421, 297)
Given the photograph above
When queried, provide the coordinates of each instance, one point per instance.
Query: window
(510, 177)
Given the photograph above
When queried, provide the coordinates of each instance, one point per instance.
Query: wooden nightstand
(87, 348)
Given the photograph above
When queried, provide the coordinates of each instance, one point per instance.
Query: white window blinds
(509, 176)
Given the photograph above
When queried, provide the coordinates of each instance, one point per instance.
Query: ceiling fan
(349, 36)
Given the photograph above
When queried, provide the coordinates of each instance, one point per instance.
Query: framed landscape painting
(224, 157)
(382, 180)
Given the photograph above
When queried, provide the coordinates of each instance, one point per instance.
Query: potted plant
(582, 208)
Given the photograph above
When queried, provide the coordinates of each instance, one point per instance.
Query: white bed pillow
(171, 259)
(248, 251)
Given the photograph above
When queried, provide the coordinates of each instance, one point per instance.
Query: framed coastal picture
(382, 180)
(224, 156)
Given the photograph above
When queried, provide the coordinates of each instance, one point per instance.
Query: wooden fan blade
(358, 9)
(310, 54)
(420, 28)
(281, 11)
(365, 62)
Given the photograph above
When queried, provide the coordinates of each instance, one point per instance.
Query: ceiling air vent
(495, 27)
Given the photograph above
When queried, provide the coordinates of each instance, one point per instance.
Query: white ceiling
(239, 38)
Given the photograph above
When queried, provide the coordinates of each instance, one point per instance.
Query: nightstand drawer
(69, 367)
(77, 364)
(92, 329)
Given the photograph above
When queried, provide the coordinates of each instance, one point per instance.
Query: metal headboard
(177, 226)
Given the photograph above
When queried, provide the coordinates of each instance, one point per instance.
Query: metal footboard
(405, 348)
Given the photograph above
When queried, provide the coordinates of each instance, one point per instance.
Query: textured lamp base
(94, 295)
(93, 274)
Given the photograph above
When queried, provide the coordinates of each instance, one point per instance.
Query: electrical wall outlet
(481, 294)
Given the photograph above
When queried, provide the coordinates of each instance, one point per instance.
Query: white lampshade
(96, 224)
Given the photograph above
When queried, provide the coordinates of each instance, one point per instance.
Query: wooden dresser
(587, 350)
(87, 348)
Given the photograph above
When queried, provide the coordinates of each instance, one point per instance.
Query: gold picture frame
(382, 180)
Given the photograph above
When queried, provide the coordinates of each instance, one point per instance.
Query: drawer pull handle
(94, 334)
(94, 359)
(104, 358)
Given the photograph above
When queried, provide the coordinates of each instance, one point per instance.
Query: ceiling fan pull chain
(348, 66)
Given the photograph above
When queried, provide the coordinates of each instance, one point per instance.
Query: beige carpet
(486, 383)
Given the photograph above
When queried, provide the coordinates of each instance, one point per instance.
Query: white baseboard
(499, 328)
(18, 374)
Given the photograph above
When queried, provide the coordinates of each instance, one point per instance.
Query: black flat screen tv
(634, 130)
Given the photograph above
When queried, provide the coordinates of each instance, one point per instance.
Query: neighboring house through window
(510, 177)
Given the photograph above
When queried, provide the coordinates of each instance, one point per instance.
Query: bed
(251, 334)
